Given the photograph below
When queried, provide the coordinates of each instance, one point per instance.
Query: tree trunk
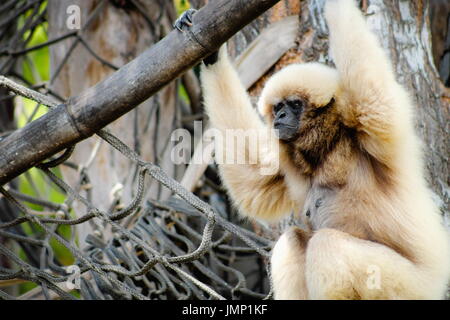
(440, 35)
(117, 34)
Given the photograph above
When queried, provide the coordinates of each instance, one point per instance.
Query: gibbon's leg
(371, 99)
(230, 111)
(288, 265)
(340, 266)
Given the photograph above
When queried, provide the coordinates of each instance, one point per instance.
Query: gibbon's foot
(185, 19)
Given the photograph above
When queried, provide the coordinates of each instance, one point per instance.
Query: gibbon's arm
(229, 108)
(371, 99)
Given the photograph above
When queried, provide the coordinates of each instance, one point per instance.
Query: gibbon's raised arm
(372, 101)
(229, 108)
(226, 100)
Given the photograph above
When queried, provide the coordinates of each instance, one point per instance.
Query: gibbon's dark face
(308, 132)
(286, 118)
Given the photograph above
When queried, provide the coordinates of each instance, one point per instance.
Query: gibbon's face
(286, 118)
(299, 102)
(309, 132)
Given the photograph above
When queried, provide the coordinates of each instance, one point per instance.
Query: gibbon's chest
(341, 206)
(319, 207)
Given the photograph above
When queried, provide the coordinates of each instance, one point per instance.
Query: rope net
(179, 249)
(185, 247)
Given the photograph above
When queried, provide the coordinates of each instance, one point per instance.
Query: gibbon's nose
(285, 117)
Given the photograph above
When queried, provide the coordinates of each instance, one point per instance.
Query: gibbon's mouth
(286, 132)
(284, 126)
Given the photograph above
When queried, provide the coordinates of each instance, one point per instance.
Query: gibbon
(350, 166)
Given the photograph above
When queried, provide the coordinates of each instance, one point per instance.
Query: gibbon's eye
(277, 108)
(296, 105)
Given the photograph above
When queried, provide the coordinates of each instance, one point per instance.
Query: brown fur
(329, 152)
(319, 133)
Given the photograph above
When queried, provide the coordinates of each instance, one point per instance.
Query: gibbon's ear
(314, 82)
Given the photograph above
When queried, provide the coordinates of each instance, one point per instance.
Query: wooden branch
(125, 89)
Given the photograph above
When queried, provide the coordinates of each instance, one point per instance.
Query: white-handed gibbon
(350, 166)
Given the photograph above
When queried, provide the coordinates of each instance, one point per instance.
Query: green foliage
(182, 93)
(181, 5)
(35, 66)
(39, 188)
(36, 70)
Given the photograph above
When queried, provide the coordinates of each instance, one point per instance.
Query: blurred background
(62, 47)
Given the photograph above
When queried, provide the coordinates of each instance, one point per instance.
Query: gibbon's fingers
(215, 57)
(211, 59)
(184, 20)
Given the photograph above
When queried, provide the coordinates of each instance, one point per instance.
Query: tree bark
(118, 34)
(440, 35)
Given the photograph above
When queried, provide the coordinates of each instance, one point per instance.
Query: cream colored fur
(407, 255)
(317, 81)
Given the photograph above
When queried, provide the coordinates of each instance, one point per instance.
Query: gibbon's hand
(186, 20)
(211, 59)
